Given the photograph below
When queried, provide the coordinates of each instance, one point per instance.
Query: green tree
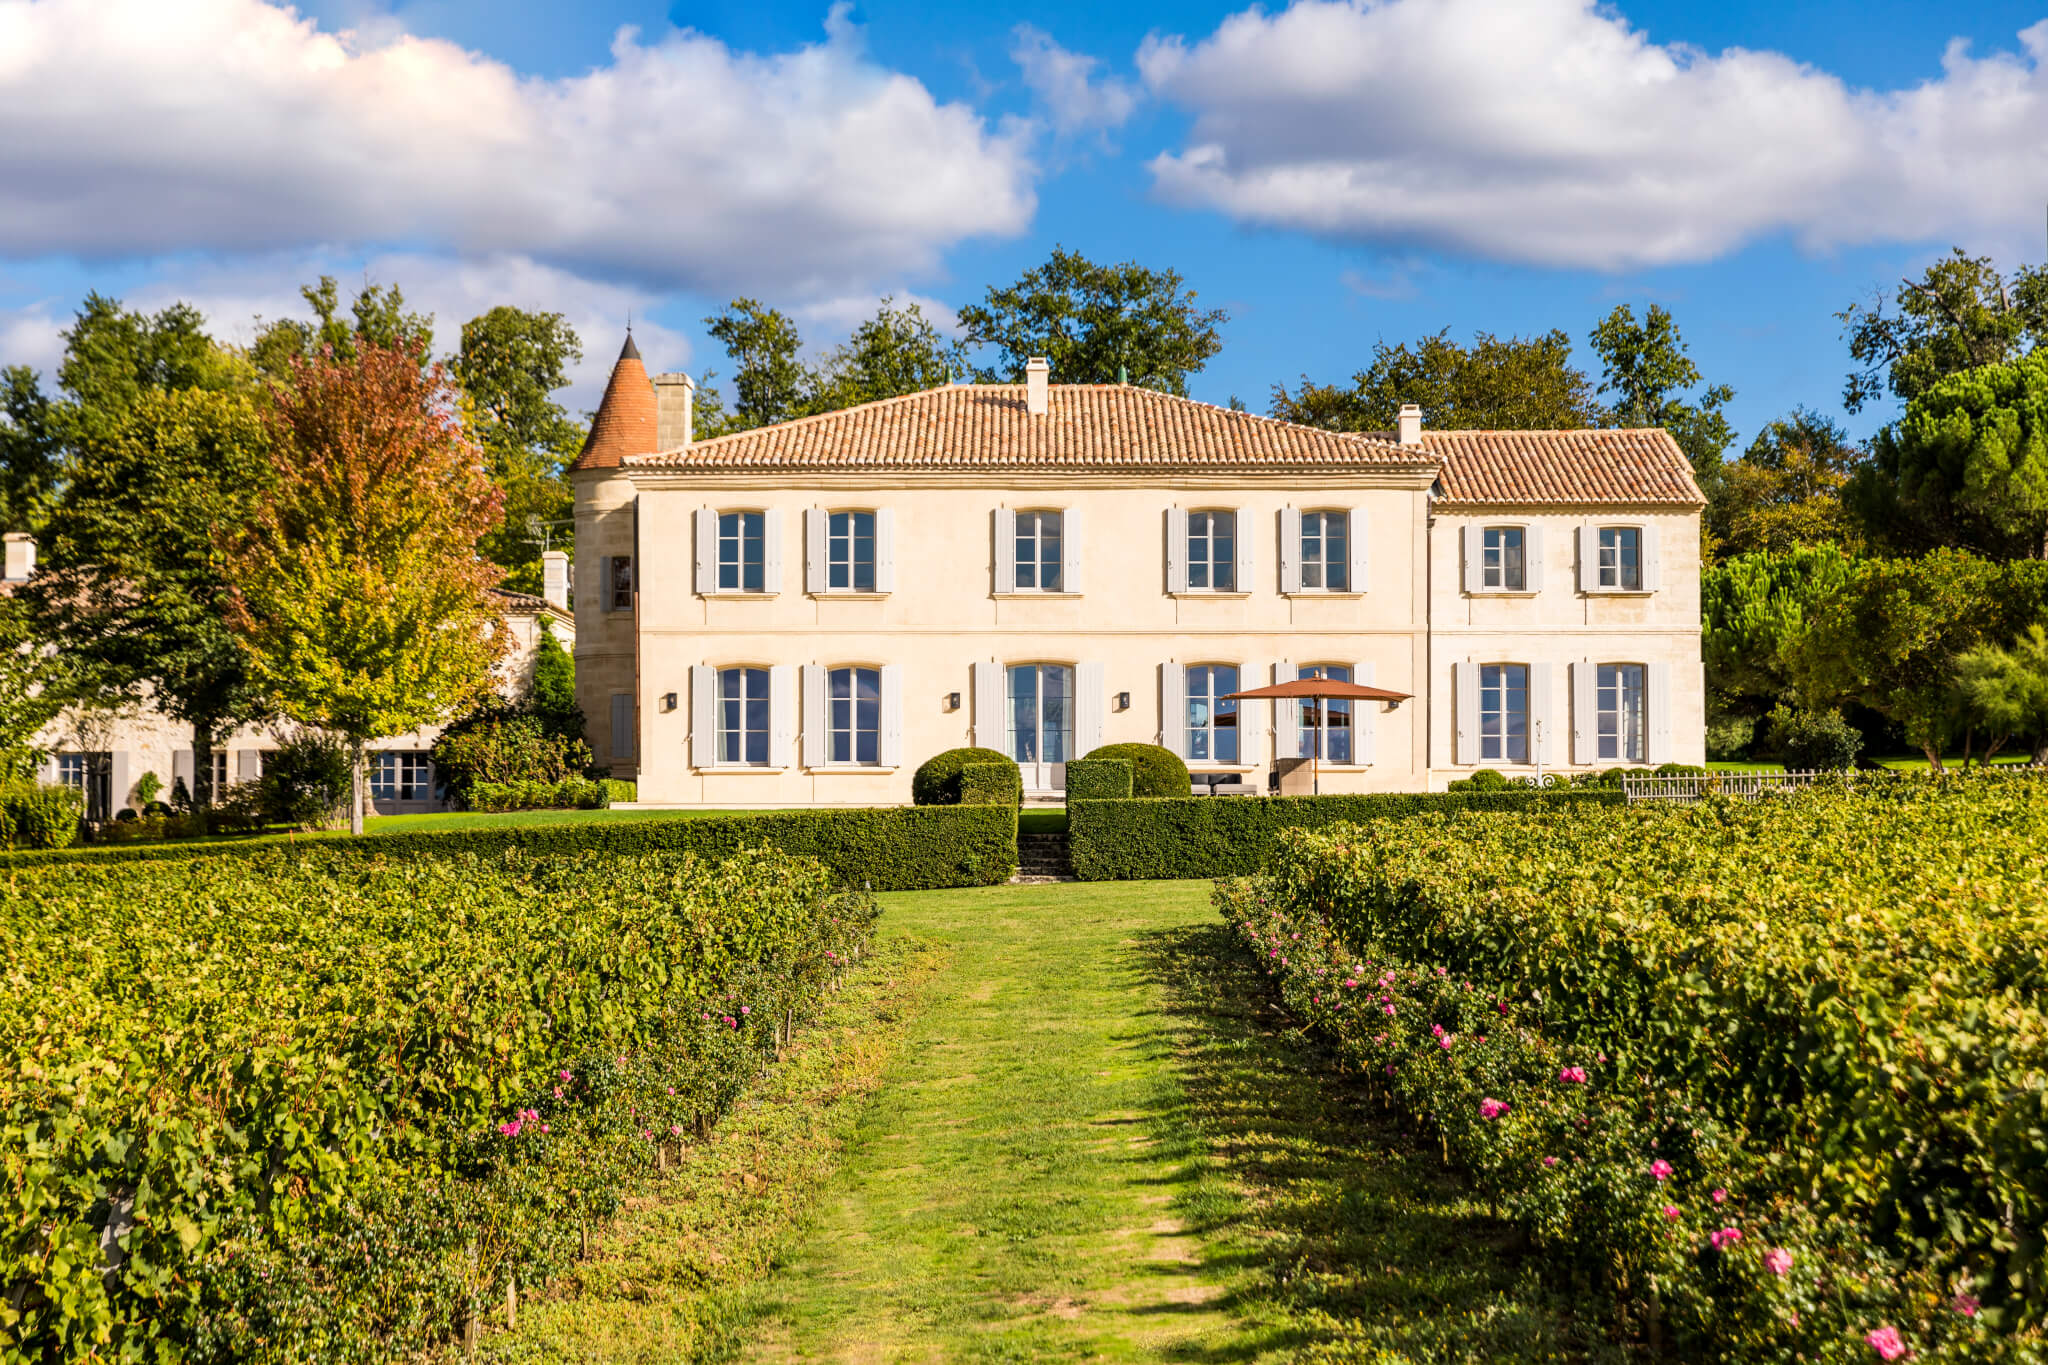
(376, 316)
(130, 584)
(33, 686)
(1506, 384)
(1890, 637)
(897, 351)
(1097, 324)
(2003, 692)
(1786, 490)
(1645, 367)
(551, 695)
(1961, 313)
(31, 450)
(510, 365)
(1751, 608)
(1967, 465)
(360, 594)
(770, 383)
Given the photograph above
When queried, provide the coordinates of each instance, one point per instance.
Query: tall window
(220, 771)
(92, 774)
(401, 777)
(1326, 721)
(620, 590)
(1212, 721)
(854, 698)
(1212, 551)
(1621, 558)
(1326, 551)
(850, 551)
(1038, 550)
(1620, 710)
(742, 715)
(742, 552)
(1502, 564)
(1041, 713)
(1504, 713)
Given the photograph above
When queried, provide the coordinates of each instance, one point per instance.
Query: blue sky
(1330, 173)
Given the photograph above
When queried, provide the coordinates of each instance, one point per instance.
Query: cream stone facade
(800, 615)
(107, 751)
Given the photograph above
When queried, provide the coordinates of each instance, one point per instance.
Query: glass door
(1042, 724)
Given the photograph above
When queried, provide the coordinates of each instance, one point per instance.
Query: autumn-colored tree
(1786, 490)
(361, 596)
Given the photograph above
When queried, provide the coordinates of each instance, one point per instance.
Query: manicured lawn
(1904, 765)
(1042, 821)
(399, 824)
(1097, 1142)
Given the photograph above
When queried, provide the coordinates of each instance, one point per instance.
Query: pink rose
(1725, 1238)
(1490, 1108)
(1777, 1260)
(1886, 1342)
(1671, 1212)
(1661, 1169)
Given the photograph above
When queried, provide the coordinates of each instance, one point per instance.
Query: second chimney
(554, 578)
(20, 561)
(1037, 386)
(1411, 424)
(675, 407)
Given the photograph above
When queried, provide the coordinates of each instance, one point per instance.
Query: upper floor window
(850, 551)
(1212, 720)
(743, 715)
(1325, 551)
(1621, 558)
(1212, 552)
(1621, 712)
(618, 583)
(1040, 552)
(401, 777)
(1503, 564)
(1504, 713)
(854, 714)
(1325, 722)
(742, 552)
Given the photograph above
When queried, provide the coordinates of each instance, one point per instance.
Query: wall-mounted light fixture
(1394, 705)
(668, 701)
(952, 701)
(1123, 701)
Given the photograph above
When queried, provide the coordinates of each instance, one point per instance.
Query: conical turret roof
(624, 424)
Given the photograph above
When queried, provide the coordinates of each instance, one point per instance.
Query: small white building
(803, 613)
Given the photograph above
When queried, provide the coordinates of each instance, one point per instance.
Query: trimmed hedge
(991, 784)
(617, 792)
(1233, 836)
(1099, 779)
(937, 780)
(910, 848)
(1155, 769)
(571, 793)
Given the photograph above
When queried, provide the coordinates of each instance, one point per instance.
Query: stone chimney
(675, 405)
(1037, 386)
(21, 556)
(554, 578)
(1411, 424)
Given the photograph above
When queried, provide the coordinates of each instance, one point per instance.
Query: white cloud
(1550, 132)
(1065, 84)
(139, 128)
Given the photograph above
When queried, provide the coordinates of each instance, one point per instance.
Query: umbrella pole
(1315, 764)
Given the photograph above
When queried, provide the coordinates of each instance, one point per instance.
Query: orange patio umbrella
(1317, 689)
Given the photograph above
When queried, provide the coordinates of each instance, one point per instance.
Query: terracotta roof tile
(986, 426)
(624, 424)
(1614, 465)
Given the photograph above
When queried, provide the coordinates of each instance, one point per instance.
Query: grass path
(1097, 1143)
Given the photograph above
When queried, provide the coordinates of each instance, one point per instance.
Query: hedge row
(887, 849)
(571, 793)
(1773, 1072)
(1099, 779)
(321, 1108)
(1216, 836)
(38, 815)
(991, 784)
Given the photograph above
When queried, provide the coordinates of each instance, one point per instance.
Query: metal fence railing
(1750, 786)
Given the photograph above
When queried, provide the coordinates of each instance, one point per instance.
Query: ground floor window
(92, 774)
(1504, 713)
(1326, 721)
(1212, 721)
(1041, 713)
(1619, 705)
(401, 776)
(854, 697)
(743, 715)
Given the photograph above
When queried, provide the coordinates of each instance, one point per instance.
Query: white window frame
(1473, 540)
(723, 732)
(402, 775)
(1595, 577)
(1037, 539)
(842, 552)
(1613, 572)
(1211, 696)
(1494, 554)
(1607, 702)
(1501, 739)
(738, 540)
(1319, 566)
(853, 730)
(1305, 731)
(1208, 538)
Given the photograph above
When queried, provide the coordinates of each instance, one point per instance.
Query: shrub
(888, 849)
(937, 780)
(306, 780)
(1099, 779)
(159, 808)
(1729, 736)
(1817, 740)
(551, 696)
(1482, 780)
(146, 789)
(991, 784)
(237, 808)
(500, 743)
(296, 1157)
(1232, 836)
(617, 792)
(571, 793)
(39, 815)
(1155, 771)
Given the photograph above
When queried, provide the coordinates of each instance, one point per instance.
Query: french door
(1042, 723)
